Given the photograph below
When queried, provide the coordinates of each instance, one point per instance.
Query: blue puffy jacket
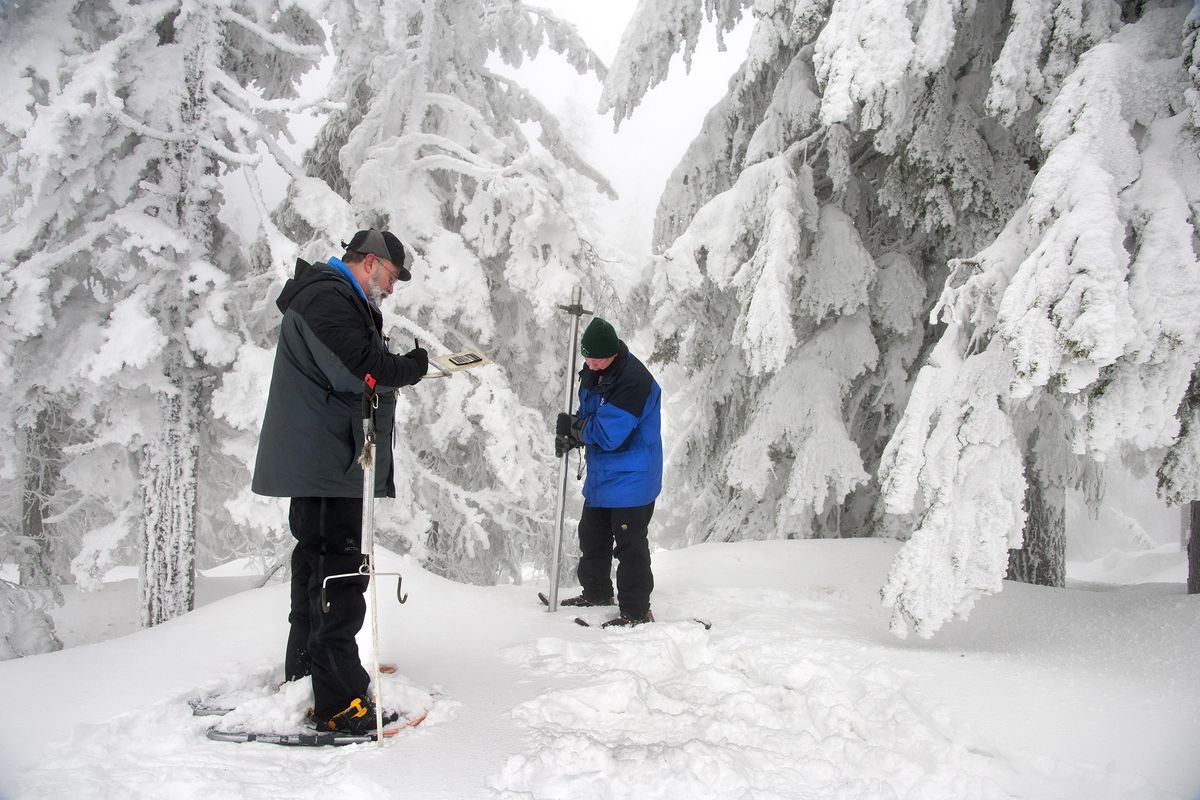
(620, 408)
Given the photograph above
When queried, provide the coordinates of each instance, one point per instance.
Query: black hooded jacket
(330, 339)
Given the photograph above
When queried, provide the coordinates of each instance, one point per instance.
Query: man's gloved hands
(421, 356)
(568, 432)
(562, 426)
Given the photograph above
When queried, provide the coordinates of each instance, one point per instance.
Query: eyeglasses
(395, 276)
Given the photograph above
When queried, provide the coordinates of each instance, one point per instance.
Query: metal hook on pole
(576, 310)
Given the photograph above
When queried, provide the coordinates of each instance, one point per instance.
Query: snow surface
(798, 691)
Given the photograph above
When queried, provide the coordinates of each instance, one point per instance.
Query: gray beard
(374, 290)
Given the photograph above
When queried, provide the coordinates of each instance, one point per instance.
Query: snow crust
(797, 691)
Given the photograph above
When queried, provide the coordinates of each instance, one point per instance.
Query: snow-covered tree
(1193, 550)
(436, 147)
(26, 627)
(1179, 476)
(798, 239)
(118, 283)
(1072, 339)
(861, 146)
(27, 540)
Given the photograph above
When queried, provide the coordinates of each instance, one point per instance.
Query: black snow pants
(605, 532)
(328, 532)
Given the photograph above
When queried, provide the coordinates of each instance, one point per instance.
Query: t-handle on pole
(576, 310)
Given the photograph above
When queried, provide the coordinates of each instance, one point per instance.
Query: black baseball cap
(382, 244)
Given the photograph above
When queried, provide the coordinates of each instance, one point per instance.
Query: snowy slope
(798, 691)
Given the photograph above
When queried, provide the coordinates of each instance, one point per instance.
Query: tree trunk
(1193, 550)
(1043, 556)
(169, 462)
(43, 459)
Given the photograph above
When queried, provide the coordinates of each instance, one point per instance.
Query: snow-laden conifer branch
(1191, 61)
(28, 297)
(484, 139)
(454, 157)
(457, 106)
(651, 39)
(807, 425)
(520, 28)
(525, 107)
(1045, 38)
(140, 14)
(179, 137)
(480, 506)
(285, 162)
(253, 102)
(1179, 474)
(68, 512)
(279, 42)
(282, 249)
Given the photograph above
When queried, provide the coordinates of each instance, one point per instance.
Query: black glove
(571, 426)
(563, 444)
(568, 430)
(562, 426)
(421, 356)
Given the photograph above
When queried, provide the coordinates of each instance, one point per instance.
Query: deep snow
(798, 691)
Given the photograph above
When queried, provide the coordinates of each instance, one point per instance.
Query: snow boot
(357, 719)
(629, 620)
(587, 602)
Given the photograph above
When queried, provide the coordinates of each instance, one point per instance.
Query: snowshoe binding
(356, 719)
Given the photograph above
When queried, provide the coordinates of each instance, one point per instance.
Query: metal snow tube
(575, 309)
(367, 569)
(370, 403)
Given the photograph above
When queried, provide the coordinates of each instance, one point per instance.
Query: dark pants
(328, 532)
(605, 532)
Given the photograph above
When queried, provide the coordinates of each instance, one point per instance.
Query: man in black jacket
(330, 340)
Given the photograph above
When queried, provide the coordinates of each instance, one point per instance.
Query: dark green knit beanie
(599, 340)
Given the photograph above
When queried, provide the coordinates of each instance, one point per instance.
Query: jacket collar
(341, 267)
(591, 380)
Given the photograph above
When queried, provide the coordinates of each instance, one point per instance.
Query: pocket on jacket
(631, 460)
(356, 445)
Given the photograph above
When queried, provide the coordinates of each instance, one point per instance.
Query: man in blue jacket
(330, 339)
(618, 423)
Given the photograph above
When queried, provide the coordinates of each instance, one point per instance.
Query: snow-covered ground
(798, 691)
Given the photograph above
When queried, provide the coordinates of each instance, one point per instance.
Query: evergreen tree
(33, 401)
(432, 145)
(1179, 476)
(113, 265)
(1076, 326)
(804, 226)
(1193, 550)
(1178, 469)
(861, 146)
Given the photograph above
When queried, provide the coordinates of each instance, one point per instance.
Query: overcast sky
(639, 158)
